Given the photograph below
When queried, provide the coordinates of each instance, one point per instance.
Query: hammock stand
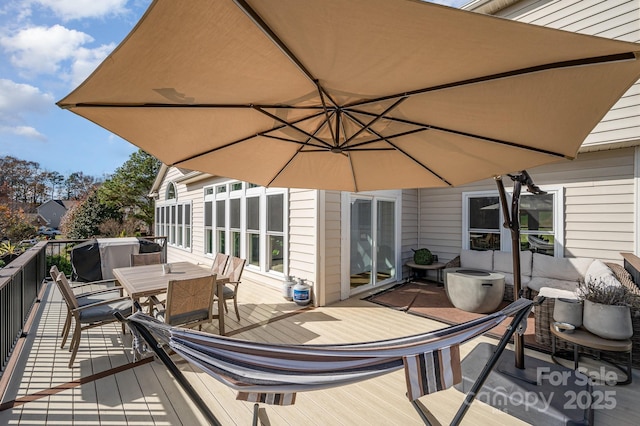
(519, 309)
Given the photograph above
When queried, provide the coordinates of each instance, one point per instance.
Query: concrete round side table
(474, 290)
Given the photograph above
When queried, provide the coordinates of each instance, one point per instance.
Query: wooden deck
(44, 391)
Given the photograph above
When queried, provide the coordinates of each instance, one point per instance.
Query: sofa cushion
(599, 273)
(503, 262)
(475, 259)
(508, 279)
(565, 269)
(537, 283)
(557, 293)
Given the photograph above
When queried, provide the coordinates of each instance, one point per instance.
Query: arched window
(171, 191)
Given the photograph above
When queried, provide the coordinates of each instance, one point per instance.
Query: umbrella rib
(372, 122)
(264, 133)
(257, 19)
(288, 124)
(470, 135)
(324, 123)
(394, 147)
(522, 71)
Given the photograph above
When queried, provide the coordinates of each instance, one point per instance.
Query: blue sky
(47, 48)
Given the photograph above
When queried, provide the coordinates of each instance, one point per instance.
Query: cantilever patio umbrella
(352, 94)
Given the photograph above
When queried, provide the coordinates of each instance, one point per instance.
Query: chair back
(142, 259)
(190, 300)
(219, 263)
(67, 292)
(54, 272)
(235, 268)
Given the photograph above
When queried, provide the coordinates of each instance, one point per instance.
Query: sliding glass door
(372, 241)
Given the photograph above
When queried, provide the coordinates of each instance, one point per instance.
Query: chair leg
(75, 344)
(235, 306)
(226, 309)
(66, 334)
(67, 324)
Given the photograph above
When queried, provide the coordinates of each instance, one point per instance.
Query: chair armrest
(104, 290)
(103, 302)
(77, 284)
(153, 300)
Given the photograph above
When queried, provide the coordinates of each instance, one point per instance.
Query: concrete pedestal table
(474, 290)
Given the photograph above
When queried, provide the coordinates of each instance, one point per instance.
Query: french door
(372, 240)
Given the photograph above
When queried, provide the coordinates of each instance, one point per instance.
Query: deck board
(148, 394)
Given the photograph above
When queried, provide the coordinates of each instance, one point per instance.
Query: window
(247, 221)
(253, 231)
(484, 222)
(221, 226)
(234, 225)
(541, 226)
(275, 232)
(208, 226)
(171, 191)
(174, 222)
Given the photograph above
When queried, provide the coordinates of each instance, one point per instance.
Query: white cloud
(56, 51)
(40, 50)
(26, 131)
(16, 102)
(78, 9)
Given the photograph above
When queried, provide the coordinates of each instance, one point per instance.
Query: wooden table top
(149, 280)
(584, 338)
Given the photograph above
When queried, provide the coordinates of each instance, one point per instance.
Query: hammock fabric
(273, 373)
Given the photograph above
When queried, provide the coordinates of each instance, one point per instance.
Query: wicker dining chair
(219, 263)
(189, 302)
(142, 259)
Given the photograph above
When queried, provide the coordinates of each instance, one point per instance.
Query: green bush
(63, 264)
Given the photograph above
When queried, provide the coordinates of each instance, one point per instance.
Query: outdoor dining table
(151, 280)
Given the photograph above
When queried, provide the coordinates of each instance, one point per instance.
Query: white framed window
(173, 219)
(541, 222)
(248, 221)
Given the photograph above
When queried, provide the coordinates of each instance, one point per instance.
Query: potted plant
(607, 309)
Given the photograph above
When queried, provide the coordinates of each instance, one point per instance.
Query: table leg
(220, 291)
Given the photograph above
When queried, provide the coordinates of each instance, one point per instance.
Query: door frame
(345, 236)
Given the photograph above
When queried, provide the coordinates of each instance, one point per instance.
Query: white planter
(607, 321)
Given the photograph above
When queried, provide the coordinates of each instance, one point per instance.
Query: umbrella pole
(512, 221)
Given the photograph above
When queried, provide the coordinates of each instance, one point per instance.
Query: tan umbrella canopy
(352, 94)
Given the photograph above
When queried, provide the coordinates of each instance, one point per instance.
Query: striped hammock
(273, 373)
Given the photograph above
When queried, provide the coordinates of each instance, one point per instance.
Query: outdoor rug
(429, 300)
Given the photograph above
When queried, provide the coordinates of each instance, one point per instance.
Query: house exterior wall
(302, 228)
(599, 206)
(52, 212)
(616, 19)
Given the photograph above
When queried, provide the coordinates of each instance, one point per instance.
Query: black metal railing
(21, 281)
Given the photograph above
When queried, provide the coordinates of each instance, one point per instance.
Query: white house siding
(409, 236)
(615, 19)
(303, 234)
(599, 195)
(330, 258)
